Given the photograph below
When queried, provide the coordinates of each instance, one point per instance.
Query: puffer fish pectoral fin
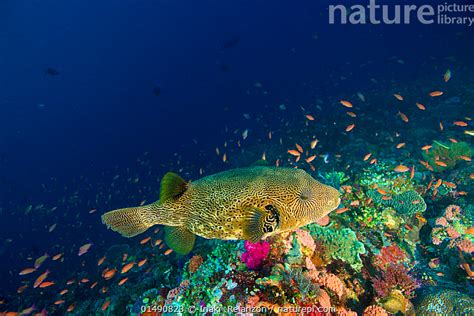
(180, 239)
(172, 186)
(131, 221)
(259, 222)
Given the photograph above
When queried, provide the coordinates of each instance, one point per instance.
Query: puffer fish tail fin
(180, 239)
(132, 221)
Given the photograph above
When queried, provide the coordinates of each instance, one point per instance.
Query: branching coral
(394, 277)
(392, 254)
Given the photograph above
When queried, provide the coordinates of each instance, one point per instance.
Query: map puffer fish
(246, 203)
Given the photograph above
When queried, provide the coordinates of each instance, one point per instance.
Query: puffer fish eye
(305, 195)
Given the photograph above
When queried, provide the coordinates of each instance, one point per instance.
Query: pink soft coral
(255, 254)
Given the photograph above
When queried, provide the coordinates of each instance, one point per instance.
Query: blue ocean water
(98, 99)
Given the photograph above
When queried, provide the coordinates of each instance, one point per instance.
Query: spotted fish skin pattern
(219, 203)
(224, 205)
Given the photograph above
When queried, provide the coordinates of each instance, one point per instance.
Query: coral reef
(394, 277)
(374, 310)
(452, 229)
(255, 253)
(435, 301)
(340, 244)
(406, 203)
(444, 156)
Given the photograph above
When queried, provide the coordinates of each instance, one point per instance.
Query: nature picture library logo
(374, 13)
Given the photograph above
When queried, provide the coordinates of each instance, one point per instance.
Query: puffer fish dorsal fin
(180, 239)
(172, 186)
(259, 222)
(260, 163)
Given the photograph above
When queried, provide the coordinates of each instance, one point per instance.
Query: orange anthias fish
(145, 240)
(403, 117)
(127, 267)
(300, 149)
(101, 260)
(40, 279)
(347, 104)
(350, 127)
(105, 305)
(294, 152)
(441, 163)
(310, 117)
(460, 123)
(27, 271)
(438, 183)
(46, 284)
(108, 274)
(122, 282)
(401, 168)
(84, 249)
(436, 93)
(420, 106)
(398, 97)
